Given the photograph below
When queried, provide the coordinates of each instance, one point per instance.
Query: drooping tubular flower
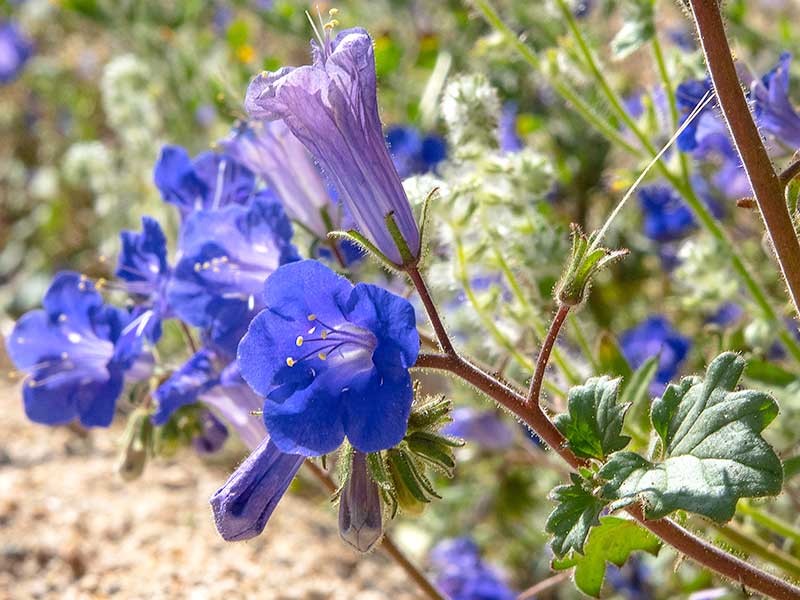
(331, 360)
(332, 108)
(273, 153)
(75, 351)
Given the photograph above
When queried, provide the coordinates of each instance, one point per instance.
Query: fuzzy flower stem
(387, 544)
(535, 390)
(789, 173)
(766, 184)
(681, 539)
(430, 308)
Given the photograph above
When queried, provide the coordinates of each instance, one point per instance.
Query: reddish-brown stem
(790, 172)
(544, 354)
(767, 186)
(387, 544)
(430, 308)
(684, 541)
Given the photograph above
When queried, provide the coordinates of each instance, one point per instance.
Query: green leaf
(636, 392)
(711, 448)
(593, 425)
(613, 541)
(768, 373)
(577, 512)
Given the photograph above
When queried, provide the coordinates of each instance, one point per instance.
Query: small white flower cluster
(471, 110)
(704, 274)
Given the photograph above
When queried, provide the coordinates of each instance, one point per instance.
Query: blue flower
(486, 428)
(210, 181)
(360, 511)
(706, 132)
(509, 138)
(666, 217)
(271, 151)
(142, 265)
(186, 385)
(331, 360)
(727, 314)
(655, 336)
(461, 574)
(332, 107)
(212, 436)
(75, 351)
(245, 503)
(774, 111)
(413, 153)
(15, 50)
(225, 256)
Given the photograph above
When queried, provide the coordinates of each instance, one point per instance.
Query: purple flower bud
(271, 151)
(360, 516)
(245, 503)
(212, 436)
(332, 108)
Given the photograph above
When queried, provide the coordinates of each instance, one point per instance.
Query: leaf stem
(387, 544)
(766, 185)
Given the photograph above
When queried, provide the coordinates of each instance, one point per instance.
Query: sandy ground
(70, 528)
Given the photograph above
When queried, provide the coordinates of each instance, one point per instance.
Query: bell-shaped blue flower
(332, 108)
(774, 111)
(142, 265)
(655, 337)
(75, 351)
(273, 153)
(225, 256)
(484, 427)
(360, 511)
(208, 182)
(331, 360)
(15, 50)
(245, 503)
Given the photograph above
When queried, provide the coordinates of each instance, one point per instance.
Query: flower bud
(360, 512)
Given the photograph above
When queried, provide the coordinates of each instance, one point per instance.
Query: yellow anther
(223, 259)
(197, 267)
(322, 356)
(100, 283)
(333, 12)
(324, 335)
(312, 317)
(299, 341)
(206, 265)
(62, 318)
(290, 361)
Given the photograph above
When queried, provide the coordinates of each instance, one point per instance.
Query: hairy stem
(430, 308)
(387, 544)
(535, 391)
(766, 185)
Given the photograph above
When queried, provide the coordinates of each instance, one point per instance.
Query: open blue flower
(15, 50)
(666, 216)
(75, 350)
(142, 265)
(331, 360)
(210, 181)
(774, 111)
(655, 337)
(273, 153)
(225, 256)
(245, 503)
(332, 107)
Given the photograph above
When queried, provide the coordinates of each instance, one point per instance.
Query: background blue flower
(655, 336)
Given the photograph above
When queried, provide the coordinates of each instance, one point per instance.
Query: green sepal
(434, 449)
(584, 262)
(432, 414)
(358, 239)
(423, 218)
(593, 425)
(402, 245)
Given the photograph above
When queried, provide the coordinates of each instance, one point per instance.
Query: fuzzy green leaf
(577, 512)
(636, 393)
(613, 541)
(711, 448)
(593, 425)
